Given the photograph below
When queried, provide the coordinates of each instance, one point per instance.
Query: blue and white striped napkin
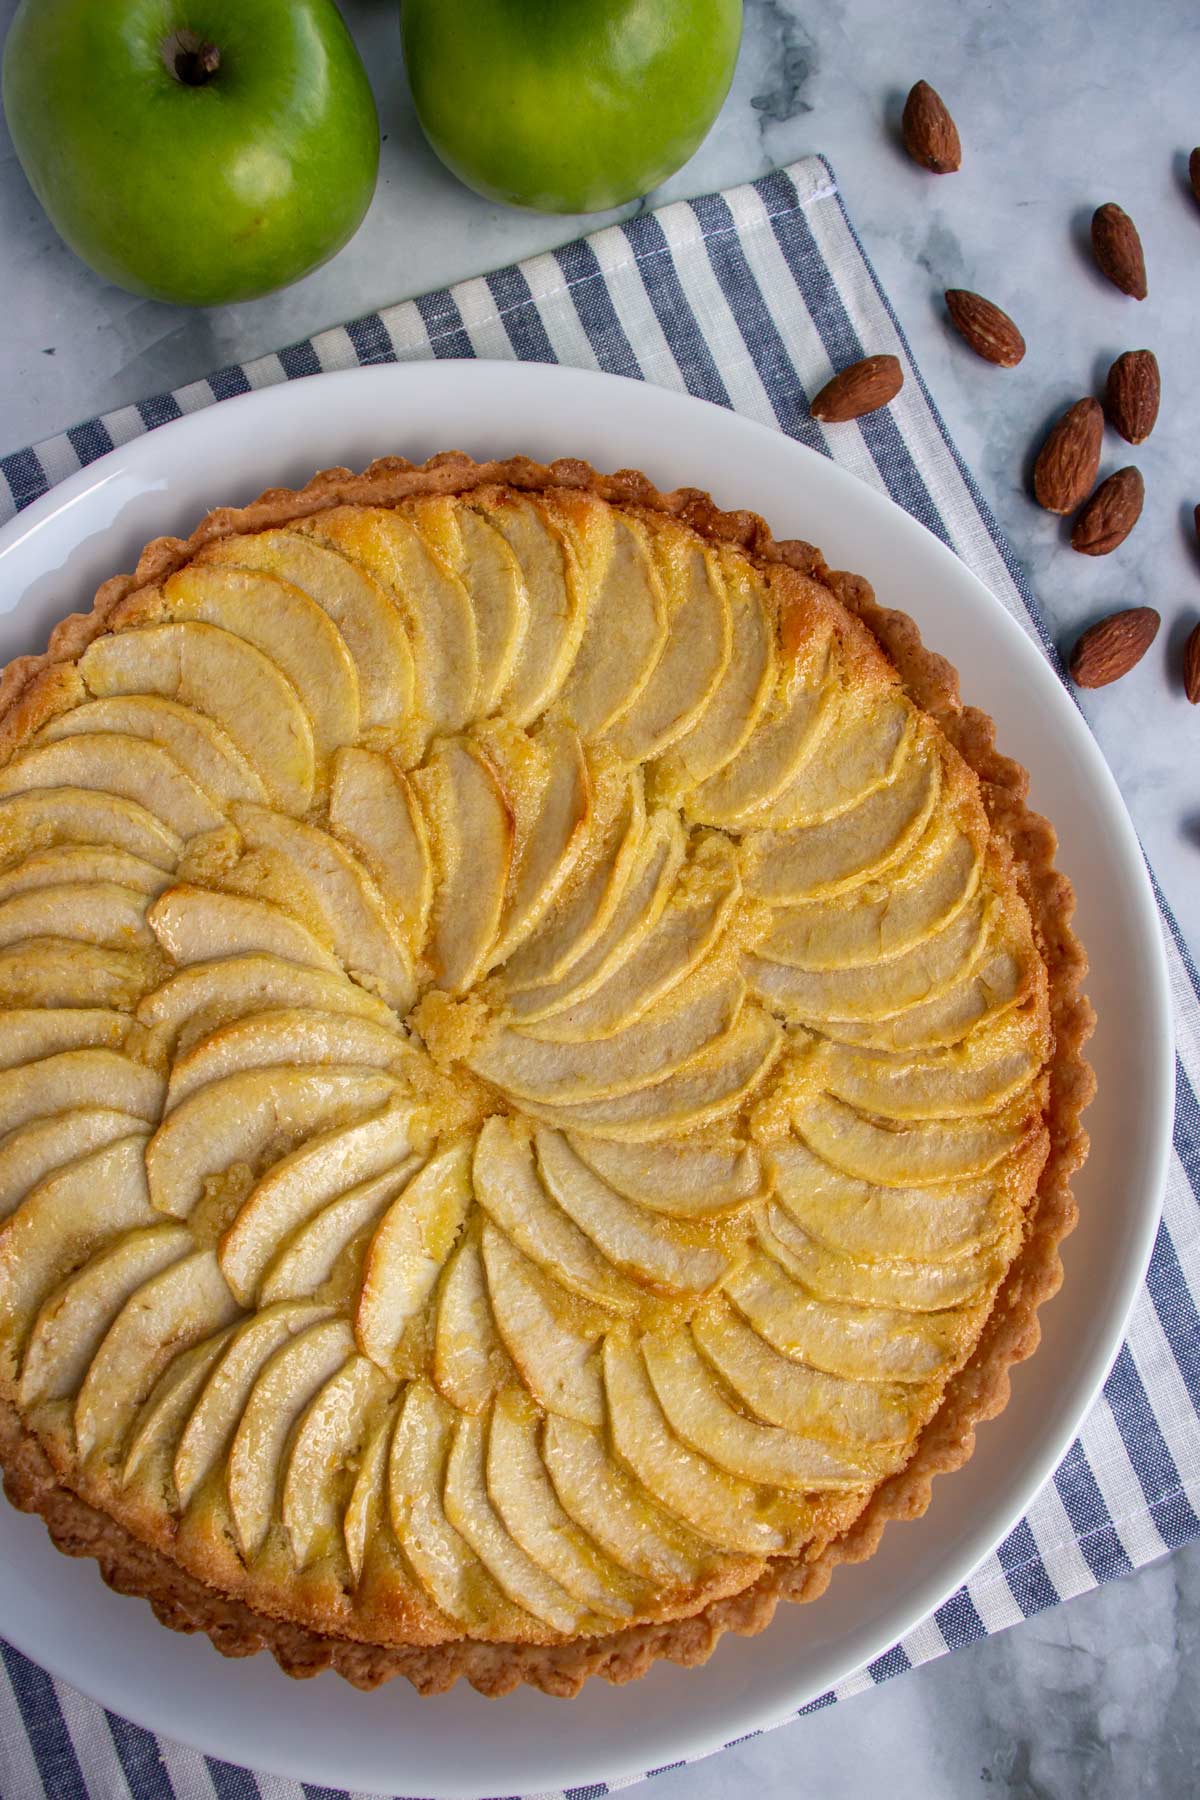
(744, 298)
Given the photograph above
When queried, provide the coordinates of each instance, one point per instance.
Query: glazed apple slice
(557, 607)
(32, 1152)
(798, 1398)
(909, 1286)
(582, 911)
(46, 817)
(646, 892)
(332, 1244)
(298, 1037)
(184, 1303)
(544, 856)
(368, 621)
(365, 1127)
(409, 1250)
(218, 1406)
(880, 989)
(783, 867)
(526, 1064)
(197, 743)
(860, 1343)
(861, 752)
(626, 628)
(88, 912)
(373, 808)
(363, 1521)
(706, 1088)
(555, 1358)
(433, 604)
(217, 673)
(785, 737)
(470, 1511)
(657, 1253)
(70, 1214)
(732, 711)
(343, 896)
(616, 1513)
(695, 655)
(916, 1152)
(74, 1318)
(508, 1188)
(442, 1561)
(280, 621)
(700, 1415)
(871, 1223)
(472, 836)
(858, 927)
(78, 863)
(476, 553)
(241, 1118)
(113, 763)
(31, 1033)
(205, 995)
(731, 1513)
(469, 1360)
(198, 925)
(292, 1377)
(49, 971)
(154, 1434)
(327, 1440)
(690, 927)
(523, 1495)
(979, 1075)
(53, 1084)
(1007, 973)
(683, 1180)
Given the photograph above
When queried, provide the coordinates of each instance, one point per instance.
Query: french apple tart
(541, 1064)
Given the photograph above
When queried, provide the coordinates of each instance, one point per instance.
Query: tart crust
(34, 689)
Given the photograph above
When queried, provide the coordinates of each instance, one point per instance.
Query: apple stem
(190, 59)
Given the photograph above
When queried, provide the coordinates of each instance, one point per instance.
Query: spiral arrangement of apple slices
(522, 1068)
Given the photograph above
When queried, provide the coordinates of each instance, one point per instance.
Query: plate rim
(126, 461)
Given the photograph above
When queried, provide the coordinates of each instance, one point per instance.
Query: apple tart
(540, 1066)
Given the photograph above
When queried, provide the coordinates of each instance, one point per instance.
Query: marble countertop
(1101, 1697)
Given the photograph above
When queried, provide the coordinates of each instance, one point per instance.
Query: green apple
(200, 151)
(568, 105)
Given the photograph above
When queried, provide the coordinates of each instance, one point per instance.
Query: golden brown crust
(33, 689)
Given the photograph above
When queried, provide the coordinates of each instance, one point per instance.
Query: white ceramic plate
(59, 1613)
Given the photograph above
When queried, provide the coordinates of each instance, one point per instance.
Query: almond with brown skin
(1194, 171)
(1111, 514)
(1108, 650)
(1118, 250)
(930, 134)
(862, 388)
(1132, 394)
(990, 332)
(1068, 460)
(1191, 666)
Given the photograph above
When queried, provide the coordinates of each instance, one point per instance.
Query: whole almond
(1132, 394)
(990, 332)
(1118, 250)
(1111, 514)
(1194, 171)
(861, 388)
(930, 134)
(1191, 666)
(1110, 649)
(1068, 460)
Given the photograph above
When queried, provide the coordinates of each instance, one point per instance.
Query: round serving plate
(58, 1612)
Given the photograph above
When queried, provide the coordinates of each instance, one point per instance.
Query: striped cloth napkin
(745, 298)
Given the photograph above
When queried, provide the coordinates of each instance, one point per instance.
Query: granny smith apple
(199, 151)
(568, 105)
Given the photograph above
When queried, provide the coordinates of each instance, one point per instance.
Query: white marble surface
(1060, 106)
